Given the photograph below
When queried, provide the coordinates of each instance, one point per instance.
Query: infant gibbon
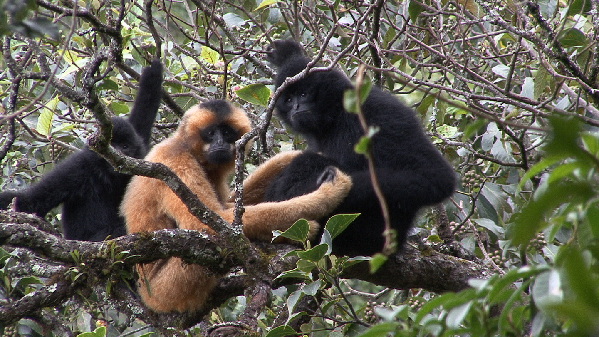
(202, 152)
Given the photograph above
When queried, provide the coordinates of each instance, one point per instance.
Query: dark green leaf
(363, 145)
(294, 274)
(377, 261)
(281, 331)
(314, 254)
(573, 38)
(312, 288)
(108, 84)
(99, 332)
(381, 330)
(426, 102)
(531, 219)
(298, 231)
(580, 277)
(119, 108)
(414, 9)
(256, 93)
(365, 88)
(579, 6)
(338, 223)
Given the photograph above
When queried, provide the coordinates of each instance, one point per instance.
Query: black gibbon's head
(311, 105)
(212, 128)
(126, 140)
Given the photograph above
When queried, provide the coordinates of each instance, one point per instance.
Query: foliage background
(507, 90)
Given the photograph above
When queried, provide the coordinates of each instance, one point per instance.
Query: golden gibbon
(202, 152)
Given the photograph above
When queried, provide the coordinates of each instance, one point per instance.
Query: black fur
(411, 172)
(219, 107)
(86, 185)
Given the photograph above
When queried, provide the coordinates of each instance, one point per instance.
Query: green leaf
(292, 300)
(266, 3)
(426, 102)
(99, 332)
(528, 88)
(377, 261)
(414, 9)
(312, 288)
(294, 274)
(538, 168)
(573, 38)
(281, 331)
(564, 141)
(579, 6)
(256, 93)
(108, 84)
(44, 121)
(119, 108)
(548, 8)
(447, 131)
(298, 231)
(472, 128)
(350, 101)
(579, 276)
(209, 55)
(363, 145)
(314, 254)
(148, 334)
(532, 217)
(365, 88)
(381, 330)
(338, 223)
(547, 289)
(591, 142)
(456, 316)
(593, 219)
(542, 81)
(327, 240)
(446, 302)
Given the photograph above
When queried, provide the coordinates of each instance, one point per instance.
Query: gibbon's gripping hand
(255, 184)
(261, 219)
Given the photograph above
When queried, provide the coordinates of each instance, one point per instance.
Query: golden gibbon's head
(211, 129)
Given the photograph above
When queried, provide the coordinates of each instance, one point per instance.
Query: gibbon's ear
(283, 51)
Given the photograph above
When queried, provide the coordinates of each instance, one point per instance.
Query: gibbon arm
(255, 184)
(261, 219)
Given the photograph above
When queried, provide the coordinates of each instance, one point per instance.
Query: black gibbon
(411, 171)
(86, 185)
(201, 152)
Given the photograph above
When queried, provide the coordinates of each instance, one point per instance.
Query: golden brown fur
(149, 205)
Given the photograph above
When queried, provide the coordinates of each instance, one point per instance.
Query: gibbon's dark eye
(124, 146)
(288, 100)
(303, 94)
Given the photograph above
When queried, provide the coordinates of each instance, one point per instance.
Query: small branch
(374, 37)
(390, 245)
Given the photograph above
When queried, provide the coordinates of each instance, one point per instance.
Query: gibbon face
(219, 143)
(212, 128)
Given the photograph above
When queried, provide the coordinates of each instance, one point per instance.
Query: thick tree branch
(96, 262)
